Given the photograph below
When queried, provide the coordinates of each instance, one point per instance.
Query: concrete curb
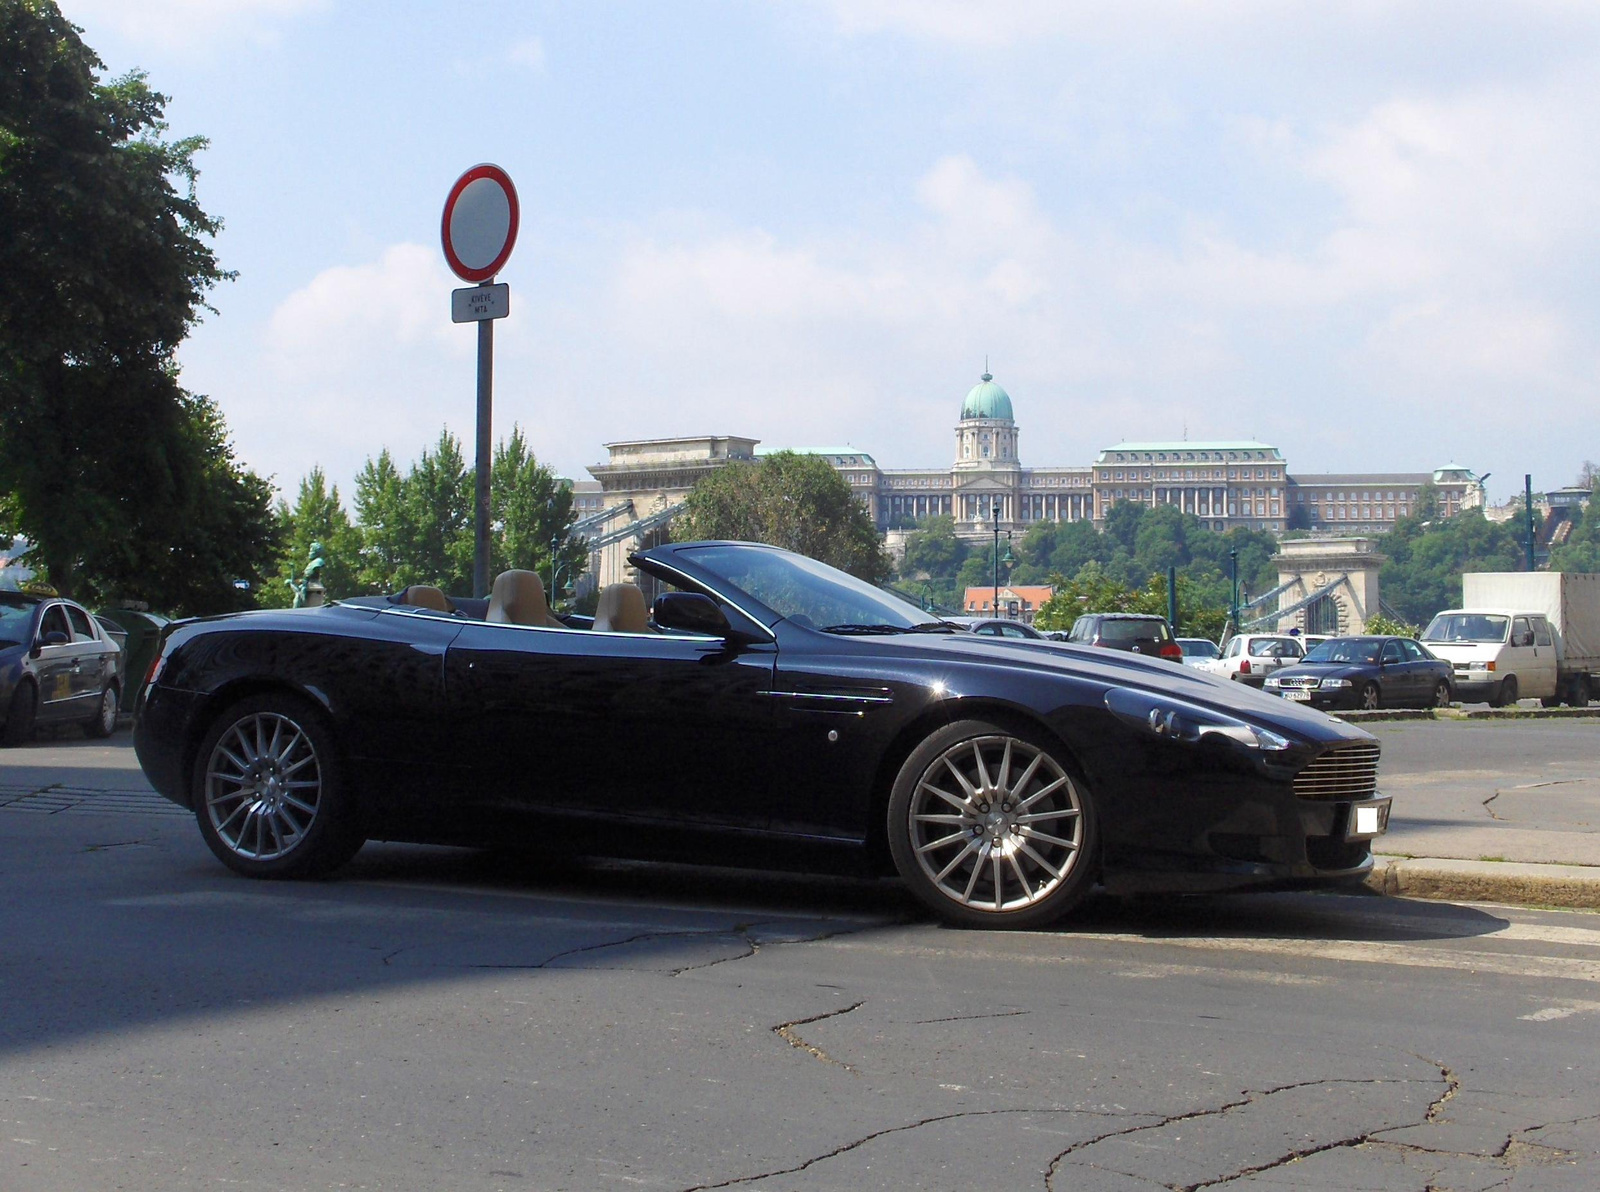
(1516, 882)
(1355, 716)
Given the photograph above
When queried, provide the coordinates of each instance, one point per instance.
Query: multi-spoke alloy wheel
(987, 826)
(263, 785)
(267, 791)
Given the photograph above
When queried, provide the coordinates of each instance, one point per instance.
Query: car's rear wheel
(104, 721)
(992, 826)
(1371, 697)
(1507, 695)
(269, 793)
(1441, 694)
(1578, 692)
(21, 714)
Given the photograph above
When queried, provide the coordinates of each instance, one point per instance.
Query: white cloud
(187, 25)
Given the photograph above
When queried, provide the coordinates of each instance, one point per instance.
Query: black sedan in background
(58, 665)
(766, 710)
(1367, 673)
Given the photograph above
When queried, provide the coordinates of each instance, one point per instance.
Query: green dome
(987, 400)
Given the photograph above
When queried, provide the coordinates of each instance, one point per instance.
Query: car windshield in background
(1346, 652)
(1466, 627)
(813, 594)
(1133, 631)
(16, 610)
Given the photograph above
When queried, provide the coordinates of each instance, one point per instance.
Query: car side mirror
(54, 638)
(690, 612)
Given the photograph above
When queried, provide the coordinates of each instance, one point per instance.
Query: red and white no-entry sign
(479, 228)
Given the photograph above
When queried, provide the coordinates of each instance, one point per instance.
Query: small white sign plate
(476, 303)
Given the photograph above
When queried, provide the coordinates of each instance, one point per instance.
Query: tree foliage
(125, 483)
(1425, 556)
(790, 500)
(417, 526)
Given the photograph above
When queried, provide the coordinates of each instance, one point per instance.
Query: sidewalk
(1491, 806)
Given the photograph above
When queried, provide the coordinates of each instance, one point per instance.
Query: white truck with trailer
(1521, 634)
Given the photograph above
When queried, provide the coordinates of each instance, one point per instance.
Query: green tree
(384, 532)
(438, 510)
(319, 516)
(933, 551)
(104, 266)
(1425, 557)
(790, 500)
(531, 510)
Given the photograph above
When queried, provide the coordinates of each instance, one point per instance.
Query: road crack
(786, 1032)
(972, 1017)
(856, 1144)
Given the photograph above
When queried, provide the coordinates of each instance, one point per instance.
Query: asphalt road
(438, 1019)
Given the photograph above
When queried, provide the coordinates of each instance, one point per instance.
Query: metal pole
(1172, 599)
(1233, 587)
(1527, 497)
(480, 542)
(995, 510)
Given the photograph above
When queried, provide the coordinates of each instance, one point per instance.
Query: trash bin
(143, 630)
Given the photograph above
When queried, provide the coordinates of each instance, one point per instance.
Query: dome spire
(986, 375)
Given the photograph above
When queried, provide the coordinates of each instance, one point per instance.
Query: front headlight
(1271, 681)
(1334, 683)
(1177, 720)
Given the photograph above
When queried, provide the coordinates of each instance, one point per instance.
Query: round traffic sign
(479, 227)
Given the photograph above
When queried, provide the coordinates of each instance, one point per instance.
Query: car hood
(1332, 670)
(1117, 668)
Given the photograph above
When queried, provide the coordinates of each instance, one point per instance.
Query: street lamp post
(995, 512)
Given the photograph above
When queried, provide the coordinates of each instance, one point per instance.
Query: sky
(1367, 234)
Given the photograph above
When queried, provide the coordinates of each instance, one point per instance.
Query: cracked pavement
(441, 1019)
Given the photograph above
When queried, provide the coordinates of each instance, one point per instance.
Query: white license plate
(1302, 696)
(1368, 819)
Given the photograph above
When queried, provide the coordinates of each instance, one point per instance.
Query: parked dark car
(1366, 672)
(997, 627)
(1138, 633)
(767, 710)
(57, 665)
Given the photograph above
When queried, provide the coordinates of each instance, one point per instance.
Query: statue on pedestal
(308, 590)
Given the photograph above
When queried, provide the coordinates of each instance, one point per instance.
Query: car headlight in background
(1334, 683)
(1163, 716)
(1271, 681)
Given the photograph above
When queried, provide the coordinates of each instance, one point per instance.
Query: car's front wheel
(992, 826)
(269, 792)
(1371, 698)
(20, 715)
(1508, 694)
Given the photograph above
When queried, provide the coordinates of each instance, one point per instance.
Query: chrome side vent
(1343, 772)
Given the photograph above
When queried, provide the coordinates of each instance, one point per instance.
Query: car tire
(1441, 694)
(1507, 695)
(993, 826)
(21, 715)
(104, 721)
(1578, 693)
(1371, 697)
(269, 791)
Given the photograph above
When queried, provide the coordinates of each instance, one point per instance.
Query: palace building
(1226, 484)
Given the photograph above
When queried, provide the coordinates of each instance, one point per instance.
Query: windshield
(813, 594)
(1197, 649)
(1133, 631)
(1345, 651)
(1466, 627)
(16, 611)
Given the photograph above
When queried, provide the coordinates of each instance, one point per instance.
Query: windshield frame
(1448, 617)
(707, 564)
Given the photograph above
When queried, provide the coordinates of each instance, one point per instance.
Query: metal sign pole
(480, 547)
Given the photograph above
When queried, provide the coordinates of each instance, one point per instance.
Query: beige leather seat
(427, 596)
(518, 599)
(621, 610)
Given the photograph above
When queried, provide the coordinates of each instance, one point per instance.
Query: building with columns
(1225, 484)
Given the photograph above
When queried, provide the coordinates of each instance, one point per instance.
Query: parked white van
(1499, 655)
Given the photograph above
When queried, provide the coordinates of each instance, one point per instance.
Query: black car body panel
(773, 744)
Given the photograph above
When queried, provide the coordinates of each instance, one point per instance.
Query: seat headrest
(621, 610)
(518, 599)
(426, 596)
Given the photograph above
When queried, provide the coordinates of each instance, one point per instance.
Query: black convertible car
(768, 710)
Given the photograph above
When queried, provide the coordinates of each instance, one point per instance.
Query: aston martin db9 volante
(766, 710)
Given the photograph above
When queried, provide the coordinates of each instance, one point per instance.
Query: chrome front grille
(1343, 772)
(1299, 681)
